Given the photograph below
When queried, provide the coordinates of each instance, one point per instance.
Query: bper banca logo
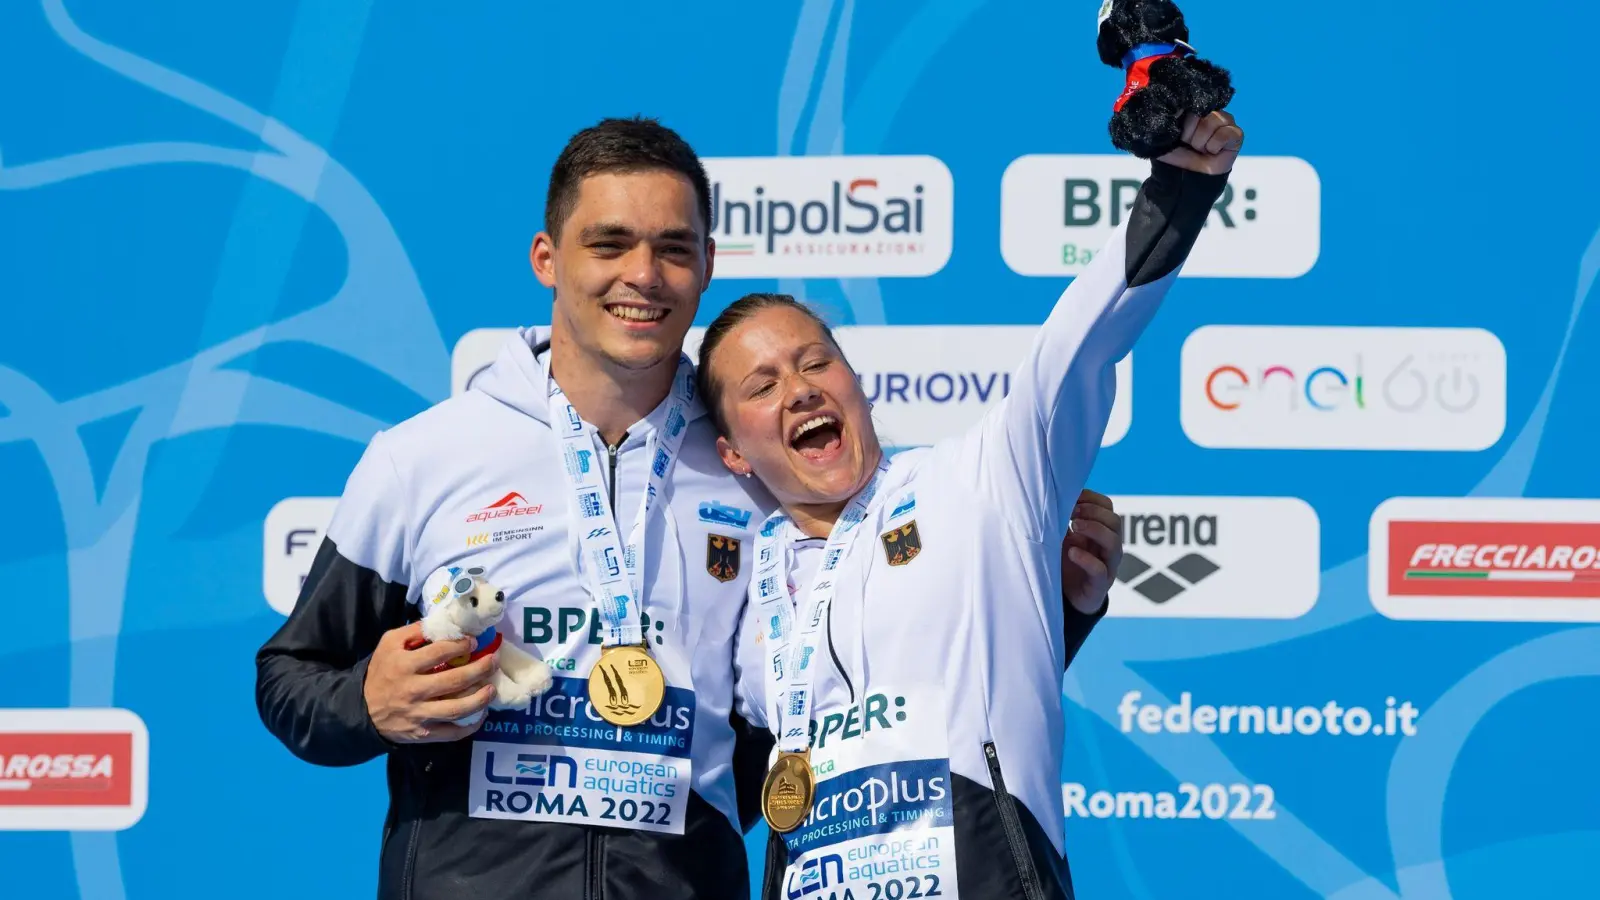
(1057, 212)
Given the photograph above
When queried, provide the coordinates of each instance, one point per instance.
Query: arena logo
(1217, 557)
(72, 769)
(1502, 559)
(1057, 212)
(831, 216)
(293, 530)
(1302, 387)
(931, 382)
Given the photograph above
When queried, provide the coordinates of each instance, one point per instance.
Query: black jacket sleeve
(751, 749)
(1076, 626)
(1167, 219)
(310, 675)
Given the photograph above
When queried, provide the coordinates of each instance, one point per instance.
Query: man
(581, 474)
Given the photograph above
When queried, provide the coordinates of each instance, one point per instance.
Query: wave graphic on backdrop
(812, 121)
(1423, 765)
(201, 393)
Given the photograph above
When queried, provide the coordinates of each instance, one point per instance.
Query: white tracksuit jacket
(945, 639)
(473, 481)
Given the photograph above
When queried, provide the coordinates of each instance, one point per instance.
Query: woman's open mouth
(818, 438)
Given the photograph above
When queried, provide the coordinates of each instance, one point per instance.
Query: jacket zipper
(594, 842)
(611, 450)
(595, 863)
(411, 842)
(837, 664)
(1012, 824)
(776, 863)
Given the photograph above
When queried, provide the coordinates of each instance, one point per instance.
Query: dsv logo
(1444, 382)
(935, 387)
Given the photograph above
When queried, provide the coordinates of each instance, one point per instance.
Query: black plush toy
(1148, 40)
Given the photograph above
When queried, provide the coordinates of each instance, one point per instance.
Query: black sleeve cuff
(1077, 625)
(1167, 218)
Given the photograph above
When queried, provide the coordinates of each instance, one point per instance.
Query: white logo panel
(1314, 388)
(1217, 557)
(290, 537)
(1485, 559)
(73, 769)
(927, 382)
(931, 382)
(1058, 211)
(831, 216)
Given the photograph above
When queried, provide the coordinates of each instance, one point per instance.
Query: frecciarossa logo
(512, 504)
(830, 216)
(72, 769)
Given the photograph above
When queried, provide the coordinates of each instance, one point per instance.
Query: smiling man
(581, 473)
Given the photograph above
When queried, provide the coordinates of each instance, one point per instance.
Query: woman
(902, 638)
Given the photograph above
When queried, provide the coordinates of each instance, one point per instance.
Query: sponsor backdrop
(1351, 653)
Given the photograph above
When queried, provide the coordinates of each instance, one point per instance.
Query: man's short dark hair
(621, 145)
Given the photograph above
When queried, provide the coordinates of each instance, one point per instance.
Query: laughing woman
(903, 634)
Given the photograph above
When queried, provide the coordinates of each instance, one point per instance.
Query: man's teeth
(634, 314)
(812, 425)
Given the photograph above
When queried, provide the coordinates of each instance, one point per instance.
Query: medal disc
(626, 686)
(787, 794)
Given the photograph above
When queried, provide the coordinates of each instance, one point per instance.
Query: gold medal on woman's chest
(626, 686)
(788, 792)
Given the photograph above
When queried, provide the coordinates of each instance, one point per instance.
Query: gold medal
(787, 794)
(626, 685)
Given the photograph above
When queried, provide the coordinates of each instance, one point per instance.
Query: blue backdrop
(238, 238)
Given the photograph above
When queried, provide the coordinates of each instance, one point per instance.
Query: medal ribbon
(789, 698)
(612, 572)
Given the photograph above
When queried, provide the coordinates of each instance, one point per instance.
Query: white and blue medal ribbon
(612, 570)
(793, 640)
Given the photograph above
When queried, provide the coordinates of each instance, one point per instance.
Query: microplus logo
(830, 216)
(1057, 212)
(1343, 388)
(1217, 557)
(290, 537)
(930, 382)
